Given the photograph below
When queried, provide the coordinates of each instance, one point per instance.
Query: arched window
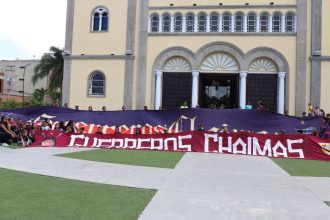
(100, 20)
(290, 22)
(154, 22)
(190, 22)
(178, 22)
(251, 22)
(277, 16)
(97, 84)
(264, 22)
(214, 22)
(226, 22)
(201, 22)
(239, 17)
(166, 22)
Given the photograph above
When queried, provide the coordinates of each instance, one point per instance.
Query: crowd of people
(24, 132)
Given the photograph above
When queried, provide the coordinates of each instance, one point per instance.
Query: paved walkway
(202, 186)
(41, 161)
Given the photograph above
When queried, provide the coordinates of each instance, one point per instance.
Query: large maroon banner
(242, 143)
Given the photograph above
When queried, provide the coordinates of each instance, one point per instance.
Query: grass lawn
(15, 146)
(296, 167)
(130, 157)
(30, 196)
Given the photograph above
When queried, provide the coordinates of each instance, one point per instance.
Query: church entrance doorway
(219, 90)
(262, 87)
(176, 89)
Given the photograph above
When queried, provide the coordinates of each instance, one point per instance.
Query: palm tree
(51, 64)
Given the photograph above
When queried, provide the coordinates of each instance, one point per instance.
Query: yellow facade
(109, 42)
(130, 52)
(114, 84)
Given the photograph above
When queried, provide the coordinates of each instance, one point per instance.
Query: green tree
(38, 97)
(51, 64)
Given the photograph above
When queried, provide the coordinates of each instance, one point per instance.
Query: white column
(100, 23)
(149, 24)
(242, 89)
(196, 24)
(281, 92)
(283, 23)
(245, 23)
(172, 23)
(184, 23)
(270, 23)
(232, 23)
(160, 28)
(194, 93)
(207, 23)
(258, 23)
(158, 96)
(220, 23)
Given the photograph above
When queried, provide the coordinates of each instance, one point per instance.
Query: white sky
(29, 27)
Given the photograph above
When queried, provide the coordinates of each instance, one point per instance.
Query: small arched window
(290, 22)
(100, 20)
(239, 17)
(97, 84)
(178, 22)
(190, 22)
(264, 22)
(154, 22)
(277, 16)
(202, 22)
(226, 22)
(251, 22)
(166, 22)
(214, 22)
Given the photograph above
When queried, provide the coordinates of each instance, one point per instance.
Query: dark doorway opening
(262, 87)
(219, 91)
(177, 88)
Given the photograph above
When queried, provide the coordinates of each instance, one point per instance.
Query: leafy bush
(38, 97)
(10, 103)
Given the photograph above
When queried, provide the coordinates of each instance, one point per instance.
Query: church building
(211, 54)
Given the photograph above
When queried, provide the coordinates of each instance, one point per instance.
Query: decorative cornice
(99, 57)
(272, 34)
(204, 7)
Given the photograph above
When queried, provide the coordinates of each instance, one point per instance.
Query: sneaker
(5, 145)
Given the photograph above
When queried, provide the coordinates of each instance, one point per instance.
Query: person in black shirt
(200, 127)
(6, 135)
(138, 130)
(117, 131)
(99, 130)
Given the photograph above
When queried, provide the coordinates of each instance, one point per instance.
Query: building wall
(109, 42)
(325, 74)
(325, 28)
(16, 74)
(325, 87)
(247, 43)
(114, 77)
(158, 42)
(136, 75)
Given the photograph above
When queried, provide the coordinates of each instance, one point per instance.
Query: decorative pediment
(219, 62)
(263, 65)
(177, 64)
